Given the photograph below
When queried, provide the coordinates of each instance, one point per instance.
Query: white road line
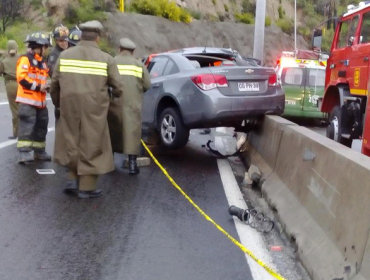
(12, 142)
(249, 237)
(6, 103)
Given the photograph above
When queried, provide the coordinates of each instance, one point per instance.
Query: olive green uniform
(8, 70)
(79, 88)
(125, 112)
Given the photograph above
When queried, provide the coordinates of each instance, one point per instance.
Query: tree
(10, 11)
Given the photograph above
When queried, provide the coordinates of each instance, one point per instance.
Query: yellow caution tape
(208, 218)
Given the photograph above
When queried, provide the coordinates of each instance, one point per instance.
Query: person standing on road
(32, 74)
(79, 88)
(60, 35)
(74, 36)
(8, 68)
(136, 81)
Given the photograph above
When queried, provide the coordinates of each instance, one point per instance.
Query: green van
(303, 81)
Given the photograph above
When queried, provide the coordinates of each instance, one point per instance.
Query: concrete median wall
(321, 191)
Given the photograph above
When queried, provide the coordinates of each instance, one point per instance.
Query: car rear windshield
(215, 60)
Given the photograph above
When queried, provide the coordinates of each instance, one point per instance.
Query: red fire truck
(347, 77)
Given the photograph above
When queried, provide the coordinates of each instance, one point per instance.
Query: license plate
(290, 102)
(248, 86)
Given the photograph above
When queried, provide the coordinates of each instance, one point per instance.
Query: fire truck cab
(347, 77)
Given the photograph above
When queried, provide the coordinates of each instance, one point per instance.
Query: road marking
(7, 103)
(249, 237)
(12, 142)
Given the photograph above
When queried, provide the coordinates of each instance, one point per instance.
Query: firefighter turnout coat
(80, 89)
(136, 81)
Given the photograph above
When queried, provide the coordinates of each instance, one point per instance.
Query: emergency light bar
(352, 8)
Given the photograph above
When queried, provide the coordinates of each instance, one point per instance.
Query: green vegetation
(161, 8)
(267, 21)
(17, 32)
(249, 7)
(86, 11)
(281, 12)
(246, 18)
(287, 25)
(226, 7)
(214, 2)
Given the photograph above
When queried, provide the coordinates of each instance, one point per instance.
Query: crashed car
(204, 88)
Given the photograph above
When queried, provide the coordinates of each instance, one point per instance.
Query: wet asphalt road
(141, 228)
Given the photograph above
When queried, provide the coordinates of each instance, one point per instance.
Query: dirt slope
(152, 34)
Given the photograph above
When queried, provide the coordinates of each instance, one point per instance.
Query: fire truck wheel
(334, 129)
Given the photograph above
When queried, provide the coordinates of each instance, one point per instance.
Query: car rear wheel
(173, 133)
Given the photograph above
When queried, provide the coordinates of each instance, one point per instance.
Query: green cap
(92, 26)
(127, 44)
(12, 47)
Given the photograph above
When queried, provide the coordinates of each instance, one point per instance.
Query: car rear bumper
(218, 109)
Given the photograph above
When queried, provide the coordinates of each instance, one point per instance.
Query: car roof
(203, 50)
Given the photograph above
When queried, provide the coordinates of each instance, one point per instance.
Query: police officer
(8, 70)
(80, 89)
(136, 81)
(32, 74)
(74, 36)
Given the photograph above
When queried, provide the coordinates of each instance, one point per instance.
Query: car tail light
(272, 80)
(209, 81)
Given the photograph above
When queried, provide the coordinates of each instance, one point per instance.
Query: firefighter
(8, 70)
(60, 35)
(80, 89)
(32, 74)
(74, 36)
(136, 81)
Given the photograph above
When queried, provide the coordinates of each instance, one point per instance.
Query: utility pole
(295, 25)
(122, 5)
(259, 30)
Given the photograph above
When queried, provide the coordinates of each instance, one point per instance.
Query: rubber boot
(25, 157)
(132, 165)
(42, 156)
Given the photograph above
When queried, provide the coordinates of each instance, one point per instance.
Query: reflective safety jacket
(32, 72)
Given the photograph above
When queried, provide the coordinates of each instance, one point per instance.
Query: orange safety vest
(32, 72)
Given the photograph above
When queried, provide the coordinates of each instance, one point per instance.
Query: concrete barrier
(321, 192)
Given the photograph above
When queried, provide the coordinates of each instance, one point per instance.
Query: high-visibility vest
(32, 72)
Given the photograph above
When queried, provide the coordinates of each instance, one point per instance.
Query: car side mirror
(351, 40)
(317, 40)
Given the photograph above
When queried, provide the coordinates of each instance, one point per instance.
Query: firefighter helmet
(61, 32)
(74, 36)
(38, 38)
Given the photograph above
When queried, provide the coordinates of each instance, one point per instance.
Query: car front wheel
(173, 133)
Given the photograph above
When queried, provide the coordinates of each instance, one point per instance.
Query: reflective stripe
(24, 144)
(130, 70)
(34, 85)
(30, 101)
(38, 144)
(42, 78)
(83, 63)
(130, 73)
(32, 76)
(83, 70)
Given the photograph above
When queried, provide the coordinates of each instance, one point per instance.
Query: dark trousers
(33, 127)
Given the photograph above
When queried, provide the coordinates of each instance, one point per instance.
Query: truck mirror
(351, 40)
(317, 40)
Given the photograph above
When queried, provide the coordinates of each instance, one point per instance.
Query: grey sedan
(204, 88)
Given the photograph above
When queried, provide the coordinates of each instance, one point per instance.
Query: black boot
(132, 165)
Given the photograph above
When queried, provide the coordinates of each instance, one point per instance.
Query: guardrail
(321, 191)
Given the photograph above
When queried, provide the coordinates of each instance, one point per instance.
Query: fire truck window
(293, 76)
(365, 29)
(353, 29)
(317, 78)
(343, 34)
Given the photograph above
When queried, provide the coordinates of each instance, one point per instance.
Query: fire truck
(347, 77)
(302, 76)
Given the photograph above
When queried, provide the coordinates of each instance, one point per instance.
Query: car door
(314, 88)
(292, 79)
(156, 68)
